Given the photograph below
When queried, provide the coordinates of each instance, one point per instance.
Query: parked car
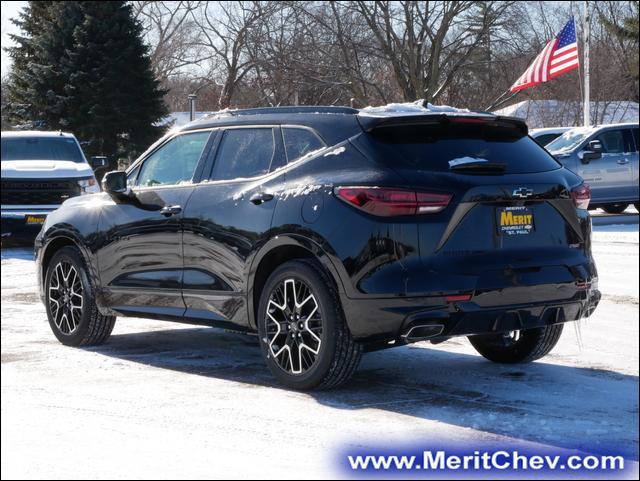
(330, 232)
(606, 157)
(40, 170)
(548, 134)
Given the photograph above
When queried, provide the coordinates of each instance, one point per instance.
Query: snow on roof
(550, 130)
(178, 119)
(409, 108)
(555, 113)
(35, 133)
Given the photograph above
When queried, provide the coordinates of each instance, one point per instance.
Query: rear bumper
(416, 319)
(15, 225)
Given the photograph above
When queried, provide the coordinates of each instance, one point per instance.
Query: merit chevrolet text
(330, 232)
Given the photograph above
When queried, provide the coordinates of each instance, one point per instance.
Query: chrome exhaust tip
(422, 332)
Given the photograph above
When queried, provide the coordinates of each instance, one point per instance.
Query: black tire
(84, 325)
(338, 355)
(532, 344)
(615, 208)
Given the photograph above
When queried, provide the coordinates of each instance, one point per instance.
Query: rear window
(299, 142)
(41, 148)
(438, 147)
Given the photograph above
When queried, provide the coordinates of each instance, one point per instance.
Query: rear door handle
(260, 198)
(170, 210)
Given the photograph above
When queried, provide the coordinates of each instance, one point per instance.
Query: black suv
(330, 232)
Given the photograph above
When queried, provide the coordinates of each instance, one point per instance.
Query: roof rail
(292, 109)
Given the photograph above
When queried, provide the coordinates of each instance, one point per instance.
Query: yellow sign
(35, 219)
(508, 219)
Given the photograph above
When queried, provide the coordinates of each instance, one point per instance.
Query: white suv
(40, 170)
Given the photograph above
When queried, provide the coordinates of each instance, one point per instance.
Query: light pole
(587, 103)
(192, 99)
(192, 107)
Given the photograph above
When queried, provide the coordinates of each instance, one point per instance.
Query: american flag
(559, 56)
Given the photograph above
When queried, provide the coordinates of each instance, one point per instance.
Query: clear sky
(9, 11)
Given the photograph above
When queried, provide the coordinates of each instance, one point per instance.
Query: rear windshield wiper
(479, 167)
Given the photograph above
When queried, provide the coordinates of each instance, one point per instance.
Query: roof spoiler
(371, 123)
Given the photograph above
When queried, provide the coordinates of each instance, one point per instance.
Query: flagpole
(586, 108)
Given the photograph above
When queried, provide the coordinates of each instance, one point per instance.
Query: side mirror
(593, 151)
(114, 183)
(595, 146)
(98, 162)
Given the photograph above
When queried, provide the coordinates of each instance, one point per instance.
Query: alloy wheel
(294, 326)
(65, 297)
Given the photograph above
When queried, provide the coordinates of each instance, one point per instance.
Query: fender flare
(90, 260)
(330, 262)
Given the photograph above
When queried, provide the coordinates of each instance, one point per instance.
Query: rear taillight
(458, 298)
(384, 201)
(581, 195)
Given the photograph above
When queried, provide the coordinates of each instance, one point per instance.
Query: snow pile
(558, 113)
(466, 160)
(409, 108)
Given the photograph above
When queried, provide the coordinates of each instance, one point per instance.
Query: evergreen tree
(83, 67)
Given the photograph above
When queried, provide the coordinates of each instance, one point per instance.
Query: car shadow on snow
(594, 410)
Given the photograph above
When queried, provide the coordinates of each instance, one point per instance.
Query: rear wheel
(615, 208)
(518, 346)
(305, 340)
(73, 315)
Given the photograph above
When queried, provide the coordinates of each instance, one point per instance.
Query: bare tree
(170, 32)
(224, 29)
(466, 53)
(427, 43)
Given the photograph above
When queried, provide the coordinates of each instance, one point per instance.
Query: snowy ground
(166, 400)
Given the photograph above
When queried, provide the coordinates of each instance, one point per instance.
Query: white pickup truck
(40, 170)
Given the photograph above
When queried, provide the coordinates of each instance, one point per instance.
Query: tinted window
(636, 138)
(612, 141)
(41, 148)
(175, 162)
(544, 139)
(432, 147)
(244, 153)
(299, 142)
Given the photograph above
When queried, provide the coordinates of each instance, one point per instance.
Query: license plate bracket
(515, 220)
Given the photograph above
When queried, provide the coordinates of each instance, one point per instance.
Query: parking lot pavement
(167, 400)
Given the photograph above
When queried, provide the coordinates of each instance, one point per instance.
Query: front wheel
(73, 315)
(518, 346)
(305, 340)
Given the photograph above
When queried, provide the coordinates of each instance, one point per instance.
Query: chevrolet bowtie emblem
(522, 193)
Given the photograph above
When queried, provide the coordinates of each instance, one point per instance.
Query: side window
(612, 141)
(544, 139)
(636, 137)
(299, 142)
(175, 162)
(244, 153)
(133, 176)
